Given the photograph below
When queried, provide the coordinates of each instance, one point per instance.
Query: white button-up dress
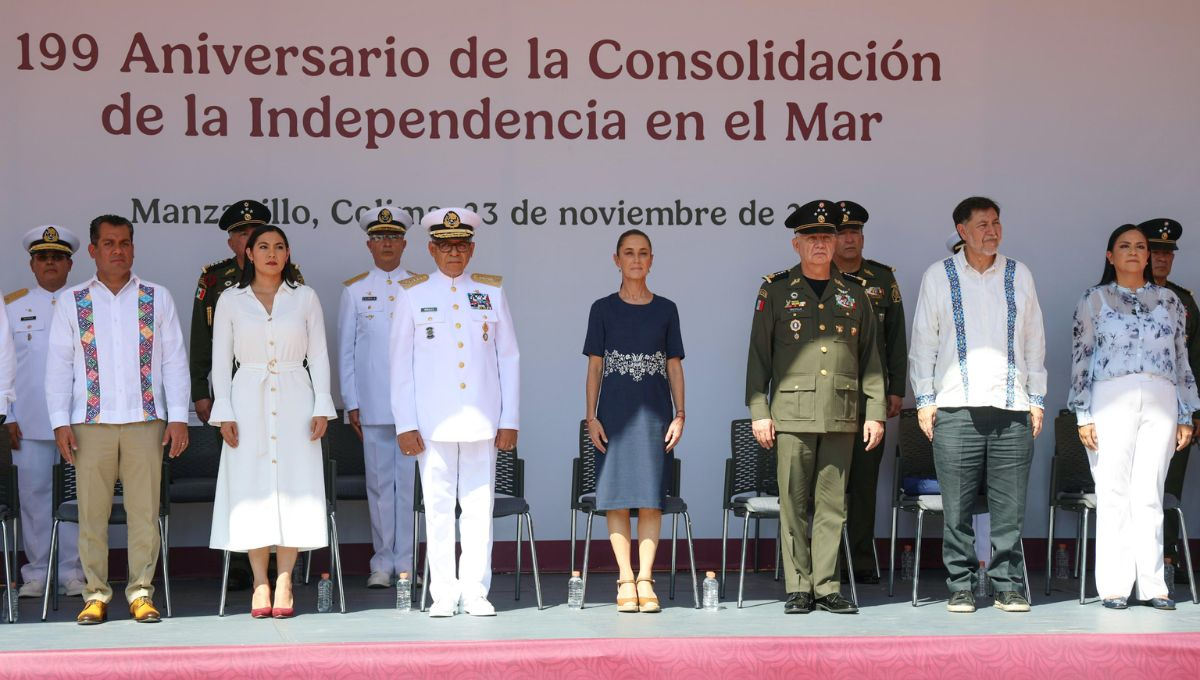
(270, 489)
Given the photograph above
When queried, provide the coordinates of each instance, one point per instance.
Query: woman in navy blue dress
(634, 412)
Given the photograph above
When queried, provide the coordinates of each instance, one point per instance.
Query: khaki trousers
(812, 467)
(133, 452)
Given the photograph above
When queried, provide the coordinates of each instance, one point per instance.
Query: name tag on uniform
(429, 309)
(29, 318)
(370, 298)
(479, 300)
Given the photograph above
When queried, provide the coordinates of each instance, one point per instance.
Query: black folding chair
(10, 514)
(342, 445)
(914, 458)
(510, 502)
(66, 509)
(583, 500)
(335, 553)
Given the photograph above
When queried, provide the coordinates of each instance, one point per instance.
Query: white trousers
(35, 478)
(1135, 419)
(389, 499)
(462, 472)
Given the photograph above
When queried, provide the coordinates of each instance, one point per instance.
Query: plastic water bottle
(13, 610)
(403, 593)
(1168, 576)
(1062, 562)
(983, 586)
(575, 591)
(908, 563)
(711, 597)
(325, 594)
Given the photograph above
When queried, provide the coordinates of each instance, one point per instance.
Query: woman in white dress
(272, 415)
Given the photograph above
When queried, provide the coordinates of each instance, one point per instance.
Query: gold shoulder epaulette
(15, 295)
(769, 278)
(414, 280)
(489, 279)
(355, 279)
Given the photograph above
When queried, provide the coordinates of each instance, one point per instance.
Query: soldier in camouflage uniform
(812, 351)
(880, 283)
(1163, 234)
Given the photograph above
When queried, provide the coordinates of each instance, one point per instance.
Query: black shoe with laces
(836, 604)
(1011, 601)
(961, 602)
(798, 603)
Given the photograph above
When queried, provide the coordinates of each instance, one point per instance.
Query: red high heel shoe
(283, 612)
(261, 612)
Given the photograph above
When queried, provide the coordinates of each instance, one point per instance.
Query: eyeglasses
(385, 237)
(456, 246)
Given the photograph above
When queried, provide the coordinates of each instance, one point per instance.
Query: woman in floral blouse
(634, 376)
(1133, 394)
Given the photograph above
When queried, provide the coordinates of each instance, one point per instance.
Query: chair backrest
(9, 497)
(1176, 488)
(914, 453)
(583, 468)
(751, 469)
(342, 444)
(202, 457)
(510, 479)
(1069, 471)
(65, 489)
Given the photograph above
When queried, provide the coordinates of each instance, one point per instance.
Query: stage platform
(889, 638)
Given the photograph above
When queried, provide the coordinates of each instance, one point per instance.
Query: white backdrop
(1076, 116)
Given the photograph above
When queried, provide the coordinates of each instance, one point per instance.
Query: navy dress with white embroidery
(635, 408)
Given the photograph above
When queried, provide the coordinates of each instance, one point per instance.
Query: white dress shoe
(32, 589)
(379, 579)
(443, 609)
(479, 607)
(75, 587)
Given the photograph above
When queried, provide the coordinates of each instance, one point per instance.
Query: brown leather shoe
(142, 610)
(95, 611)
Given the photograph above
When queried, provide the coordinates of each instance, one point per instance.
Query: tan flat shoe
(648, 604)
(627, 605)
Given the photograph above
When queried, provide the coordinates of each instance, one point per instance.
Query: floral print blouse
(1121, 332)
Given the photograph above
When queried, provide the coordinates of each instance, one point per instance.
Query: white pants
(35, 477)
(389, 499)
(1135, 418)
(463, 472)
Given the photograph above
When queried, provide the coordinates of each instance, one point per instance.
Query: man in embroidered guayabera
(976, 364)
(812, 354)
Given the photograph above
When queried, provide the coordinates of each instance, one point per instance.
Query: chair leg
(1049, 550)
(537, 576)
(587, 548)
(164, 536)
(778, 550)
(757, 536)
(1025, 569)
(875, 556)
(892, 556)
(742, 564)
(416, 543)
(849, 557)
(308, 567)
(425, 579)
(224, 581)
(1078, 540)
(51, 576)
(520, 521)
(1083, 537)
(674, 552)
(574, 515)
(917, 555)
(687, 526)
(724, 551)
(335, 559)
(1187, 555)
(9, 585)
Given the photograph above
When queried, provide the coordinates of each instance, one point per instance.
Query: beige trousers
(133, 452)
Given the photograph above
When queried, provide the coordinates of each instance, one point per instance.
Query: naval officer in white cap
(455, 390)
(364, 323)
(29, 311)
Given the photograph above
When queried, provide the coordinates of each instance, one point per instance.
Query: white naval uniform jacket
(29, 317)
(454, 359)
(364, 327)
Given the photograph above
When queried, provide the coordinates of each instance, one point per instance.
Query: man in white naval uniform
(455, 385)
(34, 452)
(364, 324)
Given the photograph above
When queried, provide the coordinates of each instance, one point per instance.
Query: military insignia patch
(485, 331)
(759, 305)
(794, 295)
(429, 332)
(793, 304)
(479, 300)
(875, 292)
(795, 325)
(845, 300)
(895, 292)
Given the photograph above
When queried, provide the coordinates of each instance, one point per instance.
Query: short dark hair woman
(634, 412)
(1133, 394)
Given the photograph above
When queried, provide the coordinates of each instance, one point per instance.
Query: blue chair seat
(194, 490)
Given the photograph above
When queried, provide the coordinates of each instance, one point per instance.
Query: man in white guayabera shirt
(976, 364)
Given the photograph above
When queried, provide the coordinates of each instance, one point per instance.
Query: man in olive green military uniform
(880, 283)
(1163, 233)
(238, 222)
(812, 350)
